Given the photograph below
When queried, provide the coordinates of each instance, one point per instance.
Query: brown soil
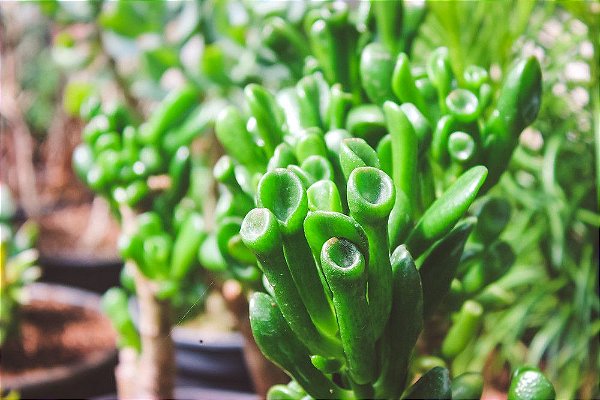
(55, 334)
(62, 234)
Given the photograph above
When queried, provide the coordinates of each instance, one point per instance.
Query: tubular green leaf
(463, 330)
(282, 192)
(323, 195)
(345, 271)
(260, 232)
(319, 168)
(404, 85)
(356, 153)
(404, 326)
(371, 196)
(439, 267)
(280, 345)
(310, 144)
(376, 68)
(282, 157)
(231, 131)
(188, 241)
(320, 226)
(268, 115)
(367, 122)
(446, 211)
(169, 111)
(404, 153)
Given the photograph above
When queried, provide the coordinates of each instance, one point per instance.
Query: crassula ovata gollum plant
(358, 213)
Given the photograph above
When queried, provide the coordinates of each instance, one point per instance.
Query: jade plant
(349, 197)
(18, 268)
(313, 118)
(338, 295)
(144, 172)
(341, 315)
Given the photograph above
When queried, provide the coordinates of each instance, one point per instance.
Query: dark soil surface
(62, 231)
(53, 335)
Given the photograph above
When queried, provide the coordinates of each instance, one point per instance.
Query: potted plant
(326, 325)
(54, 339)
(312, 180)
(79, 246)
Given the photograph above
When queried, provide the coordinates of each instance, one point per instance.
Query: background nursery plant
(555, 220)
(17, 265)
(144, 173)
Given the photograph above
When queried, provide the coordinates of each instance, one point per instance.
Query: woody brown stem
(155, 365)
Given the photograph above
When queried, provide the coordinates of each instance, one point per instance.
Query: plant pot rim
(37, 380)
(79, 261)
(192, 337)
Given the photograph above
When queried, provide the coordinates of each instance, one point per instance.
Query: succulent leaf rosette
(348, 192)
(359, 239)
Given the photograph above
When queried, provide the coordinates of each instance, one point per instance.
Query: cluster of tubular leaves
(119, 159)
(418, 157)
(335, 33)
(339, 294)
(17, 264)
(342, 308)
(459, 121)
(353, 207)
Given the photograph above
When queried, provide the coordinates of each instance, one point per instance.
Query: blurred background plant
(17, 265)
(57, 54)
(553, 231)
(471, 32)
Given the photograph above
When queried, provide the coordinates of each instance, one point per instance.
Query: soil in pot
(65, 351)
(78, 247)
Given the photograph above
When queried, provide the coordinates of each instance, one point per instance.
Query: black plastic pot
(196, 393)
(202, 362)
(91, 377)
(96, 275)
(207, 360)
